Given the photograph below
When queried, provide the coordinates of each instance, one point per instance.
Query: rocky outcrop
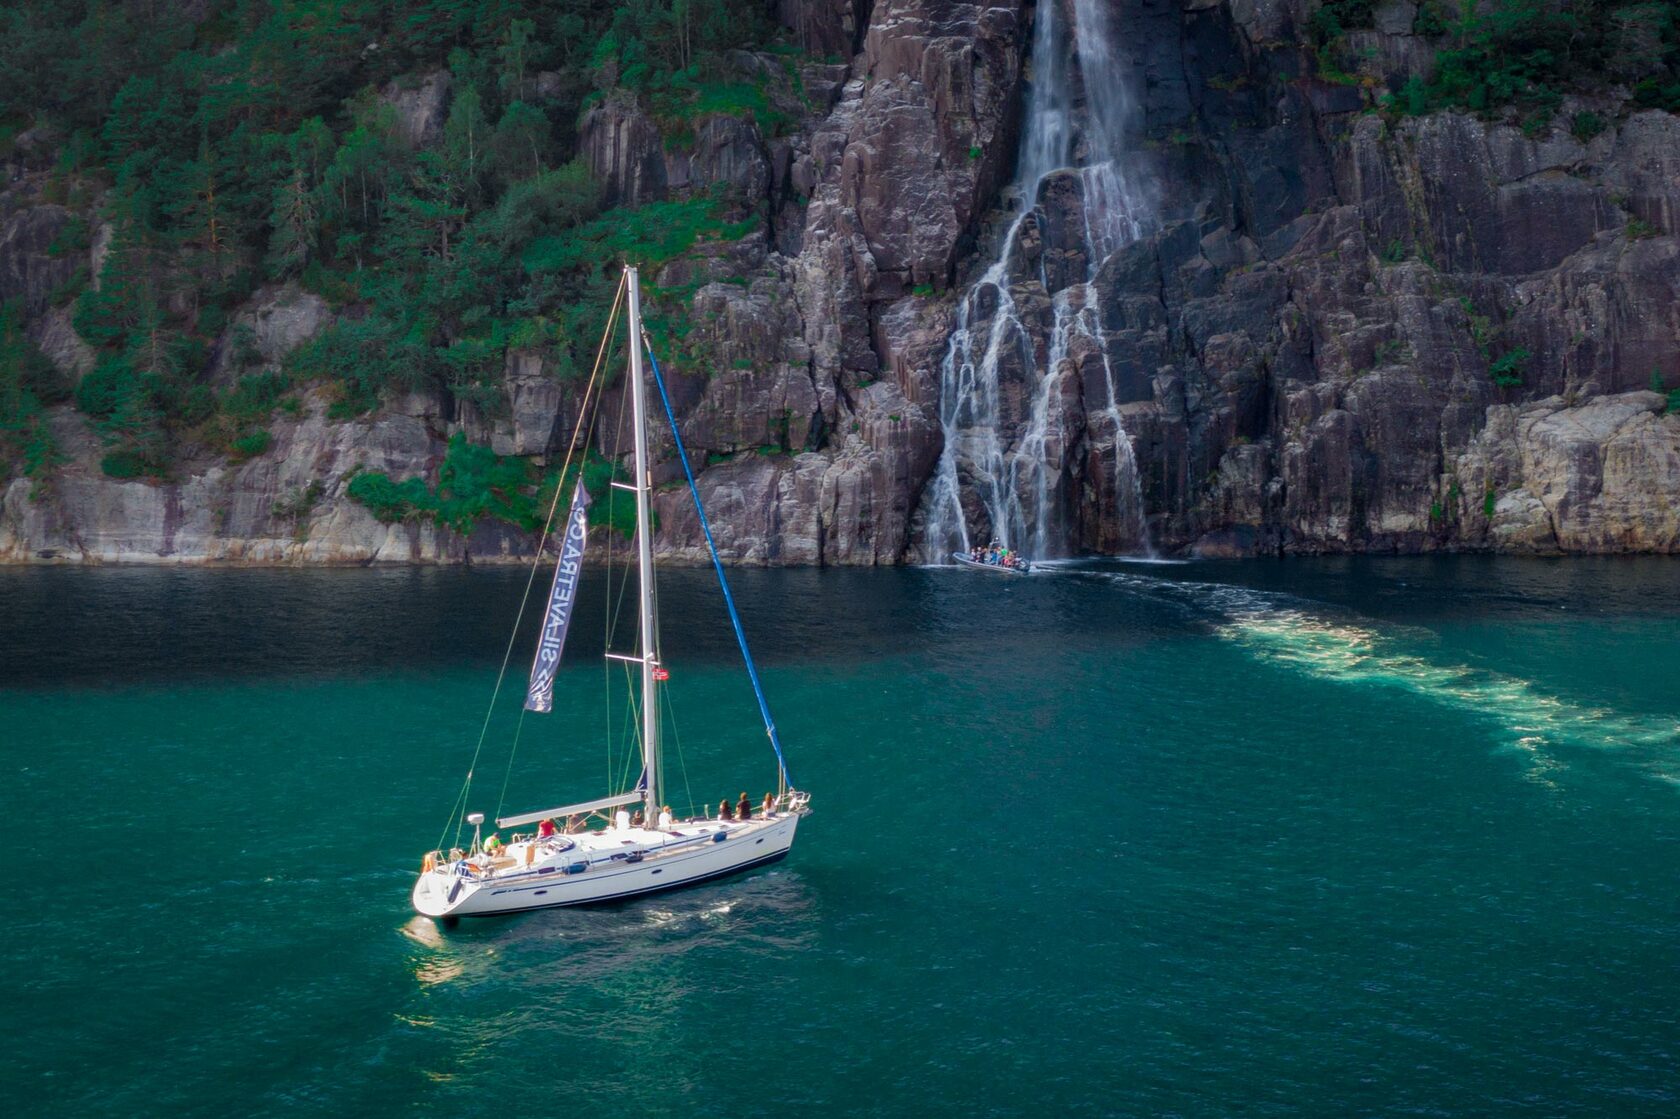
(32, 267)
(1344, 329)
(286, 506)
(817, 428)
(1603, 476)
(272, 323)
(421, 106)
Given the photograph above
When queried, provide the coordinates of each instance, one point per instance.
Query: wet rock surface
(1299, 352)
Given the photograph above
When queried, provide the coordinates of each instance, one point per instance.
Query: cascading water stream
(1010, 459)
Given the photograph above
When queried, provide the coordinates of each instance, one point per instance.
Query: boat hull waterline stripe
(540, 696)
(723, 580)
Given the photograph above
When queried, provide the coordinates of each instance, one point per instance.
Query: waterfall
(1007, 435)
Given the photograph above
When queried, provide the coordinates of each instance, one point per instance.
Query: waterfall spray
(1010, 463)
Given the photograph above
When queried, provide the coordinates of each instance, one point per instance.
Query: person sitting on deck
(545, 829)
(743, 807)
(574, 823)
(621, 819)
(665, 818)
(769, 805)
(493, 845)
(724, 811)
(636, 820)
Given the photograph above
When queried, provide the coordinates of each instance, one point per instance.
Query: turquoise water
(1338, 837)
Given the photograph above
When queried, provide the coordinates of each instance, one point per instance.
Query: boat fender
(718, 838)
(633, 857)
(455, 890)
(577, 868)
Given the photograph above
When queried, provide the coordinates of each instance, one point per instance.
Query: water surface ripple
(1309, 838)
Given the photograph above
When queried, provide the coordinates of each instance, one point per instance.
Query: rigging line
(518, 729)
(609, 619)
(676, 735)
(632, 730)
(536, 562)
(615, 610)
(723, 580)
(586, 418)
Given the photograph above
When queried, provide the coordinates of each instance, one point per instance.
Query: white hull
(605, 866)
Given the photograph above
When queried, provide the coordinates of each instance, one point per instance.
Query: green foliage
(475, 483)
(124, 464)
(1585, 125)
(1395, 253)
(390, 501)
(1507, 369)
(1489, 500)
(250, 444)
(1430, 21)
(1481, 330)
(28, 384)
(1638, 229)
(1335, 17)
(1526, 53)
(647, 235)
(236, 144)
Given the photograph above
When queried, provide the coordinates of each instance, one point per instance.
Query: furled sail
(540, 696)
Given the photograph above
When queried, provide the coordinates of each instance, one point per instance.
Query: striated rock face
(1299, 354)
(273, 323)
(29, 271)
(421, 105)
(286, 506)
(819, 429)
(1304, 351)
(1598, 477)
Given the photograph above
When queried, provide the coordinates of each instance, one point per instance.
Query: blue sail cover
(540, 696)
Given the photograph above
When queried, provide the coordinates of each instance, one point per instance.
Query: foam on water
(1320, 641)
(1529, 718)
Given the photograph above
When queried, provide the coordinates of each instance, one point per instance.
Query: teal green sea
(1378, 837)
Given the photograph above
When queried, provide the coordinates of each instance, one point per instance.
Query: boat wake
(1316, 639)
(1528, 717)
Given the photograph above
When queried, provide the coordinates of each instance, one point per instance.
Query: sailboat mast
(644, 551)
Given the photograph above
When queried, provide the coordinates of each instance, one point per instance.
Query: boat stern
(437, 893)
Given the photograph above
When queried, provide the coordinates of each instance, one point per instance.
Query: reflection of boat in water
(629, 856)
(964, 561)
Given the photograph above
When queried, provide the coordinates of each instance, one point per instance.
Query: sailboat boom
(568, 810)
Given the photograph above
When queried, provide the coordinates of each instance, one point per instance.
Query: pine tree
(294, 220)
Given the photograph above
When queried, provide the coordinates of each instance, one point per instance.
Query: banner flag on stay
(558, 618)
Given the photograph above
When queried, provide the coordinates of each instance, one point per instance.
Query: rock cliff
(1341, 330)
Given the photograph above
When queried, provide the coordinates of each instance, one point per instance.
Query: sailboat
(567, 860)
